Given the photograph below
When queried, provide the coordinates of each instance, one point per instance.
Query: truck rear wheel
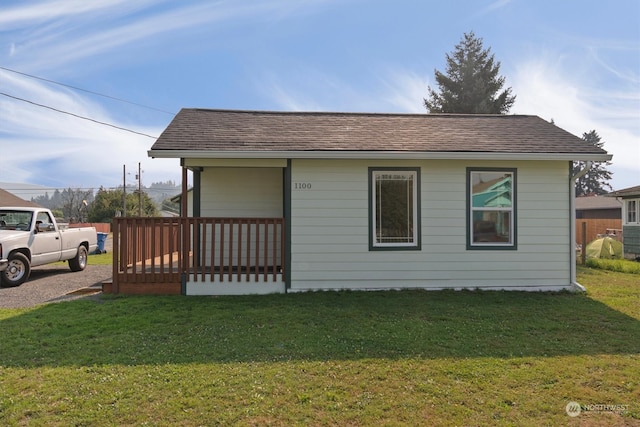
(79, 262)
(17, 272)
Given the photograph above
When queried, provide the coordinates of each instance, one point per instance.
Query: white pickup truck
(30, 237)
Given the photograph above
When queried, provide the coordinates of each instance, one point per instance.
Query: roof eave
(321, 154)
(622, 195)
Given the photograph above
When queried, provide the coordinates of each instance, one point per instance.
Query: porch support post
(115, 287)
(287, 226)
(183, 201)
(195, 192)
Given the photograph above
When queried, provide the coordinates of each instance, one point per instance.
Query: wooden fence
(597, 227)
(101, 227)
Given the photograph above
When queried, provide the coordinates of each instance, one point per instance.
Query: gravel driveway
(55, 283)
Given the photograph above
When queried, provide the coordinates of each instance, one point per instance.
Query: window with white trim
(631, 207)
(491, 208)
(394, 208)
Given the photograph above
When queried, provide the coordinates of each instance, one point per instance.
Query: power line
(116, 187)
(87, 91)
(77, 116)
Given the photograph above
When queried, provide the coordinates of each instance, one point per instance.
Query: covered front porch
(198, 256)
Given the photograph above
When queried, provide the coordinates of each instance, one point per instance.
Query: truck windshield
(15, 219)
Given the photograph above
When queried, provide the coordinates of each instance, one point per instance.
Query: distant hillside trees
(68, 204)
(71, 203)
(164, 185)
(53, 202)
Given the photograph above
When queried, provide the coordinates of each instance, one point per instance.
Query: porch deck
(198, 255)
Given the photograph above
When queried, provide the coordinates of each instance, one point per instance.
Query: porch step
(107, 286)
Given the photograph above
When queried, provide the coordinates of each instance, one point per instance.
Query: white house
(384, 201)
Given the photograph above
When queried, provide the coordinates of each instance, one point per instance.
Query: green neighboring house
(630, 219)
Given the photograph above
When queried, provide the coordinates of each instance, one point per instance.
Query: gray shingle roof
(597, 202)
(626, 192)
(205, 130)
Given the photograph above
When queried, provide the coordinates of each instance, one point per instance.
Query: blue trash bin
(102, 238)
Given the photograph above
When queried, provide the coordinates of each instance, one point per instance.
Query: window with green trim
(631, 216)
(394, 208)
(491, 208)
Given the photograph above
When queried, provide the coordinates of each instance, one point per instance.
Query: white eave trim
(436, 155)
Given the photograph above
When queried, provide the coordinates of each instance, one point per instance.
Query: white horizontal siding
(403, 272)
(330, 241)
(438, 261)
(241, 192)
(235, 287)
(440, 284)
(236, 163)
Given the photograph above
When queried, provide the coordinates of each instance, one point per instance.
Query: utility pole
(124, 190)
(139, 190)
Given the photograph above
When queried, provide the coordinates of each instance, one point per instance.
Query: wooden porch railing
(153, 255)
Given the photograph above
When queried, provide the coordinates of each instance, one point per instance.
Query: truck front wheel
(18, 270)
(79, 262)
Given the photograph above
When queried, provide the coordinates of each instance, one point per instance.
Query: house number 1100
(302, 185)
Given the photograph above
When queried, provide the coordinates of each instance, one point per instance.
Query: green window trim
(491, 208)
(394, 190)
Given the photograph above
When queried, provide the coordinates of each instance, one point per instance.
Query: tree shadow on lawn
(314, 326)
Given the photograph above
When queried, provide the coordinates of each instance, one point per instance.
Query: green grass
(93, 259)
(333, 358)
(101, 259)
(619, 265)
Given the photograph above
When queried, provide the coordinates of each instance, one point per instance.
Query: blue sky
(574, 61)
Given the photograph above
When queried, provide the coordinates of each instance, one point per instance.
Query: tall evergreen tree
(471, 83)
(596, 180)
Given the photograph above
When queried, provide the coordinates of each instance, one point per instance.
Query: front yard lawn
(333, 358)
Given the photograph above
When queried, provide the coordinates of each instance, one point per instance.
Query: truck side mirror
(41, 226)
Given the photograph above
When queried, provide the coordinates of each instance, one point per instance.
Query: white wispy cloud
(42, 11)
(303, 88)
(490, 8)
(392, 89)
(630, 75)
(289, 99)
(497, 4)
(72, 36)
(40, 141)
(405, 90)
(66, 42)
(550, 90)
(58, 33)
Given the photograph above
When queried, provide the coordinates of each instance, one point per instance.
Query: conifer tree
(471, 83)
(596, 180)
